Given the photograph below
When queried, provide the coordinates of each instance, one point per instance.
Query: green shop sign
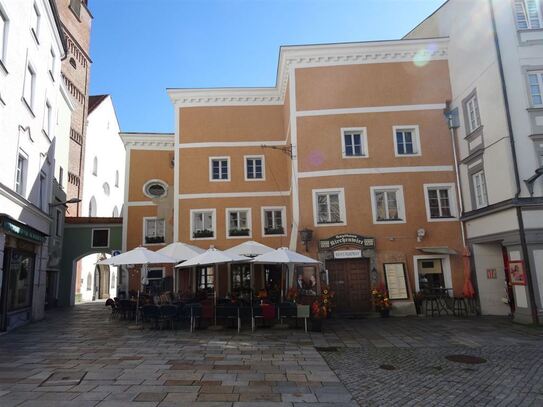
(347, 238)
(21, 230)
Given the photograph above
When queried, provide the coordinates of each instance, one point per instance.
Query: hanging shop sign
(21, 230)
(347, 239)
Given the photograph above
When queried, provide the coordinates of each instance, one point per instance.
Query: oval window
(155, 189)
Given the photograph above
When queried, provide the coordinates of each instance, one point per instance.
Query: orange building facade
(351, 147)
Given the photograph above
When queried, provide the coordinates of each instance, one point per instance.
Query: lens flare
(316, 158)
(422, 57)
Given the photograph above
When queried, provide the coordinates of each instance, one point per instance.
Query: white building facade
(31, 98)
(496, 70)
(103, 191)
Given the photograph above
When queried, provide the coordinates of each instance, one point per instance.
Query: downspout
(523, 244)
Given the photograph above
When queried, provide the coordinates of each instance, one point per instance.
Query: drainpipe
(523, 243)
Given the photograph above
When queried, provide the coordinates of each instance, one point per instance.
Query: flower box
(238, 232)
(203, 233)
(154, 239)
(274, 231)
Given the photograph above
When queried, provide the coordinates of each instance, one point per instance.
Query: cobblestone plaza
(80, 357)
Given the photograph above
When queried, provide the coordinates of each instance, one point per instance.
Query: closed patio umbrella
(468, 291)
(180, 252)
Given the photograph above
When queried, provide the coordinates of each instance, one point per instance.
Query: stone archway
(82, 237)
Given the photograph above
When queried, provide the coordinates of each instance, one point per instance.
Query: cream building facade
(351, 144)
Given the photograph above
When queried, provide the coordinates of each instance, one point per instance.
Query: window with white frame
(273, 221)
(42, 192)
(154, 230)
(52, 63)
(535, 80)
(472, 109)
(20, 174)
(528, 14)
(329, 207)
(354, 143)
(479, 189)
(440, 204)
(29, 86)
(35, 21)
(388, 204)
(254, 168)
(3, 34)
(203, 224)
(47, 117)
(406, 140)
(219, 168)
(238, 222)
(205, 277)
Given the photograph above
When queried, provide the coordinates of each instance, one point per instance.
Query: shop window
(205, 276)
(238, 222)
(100, 238)
(155, 280)
(20, 279)
(154, 230)
(240, 279)
(430, 273)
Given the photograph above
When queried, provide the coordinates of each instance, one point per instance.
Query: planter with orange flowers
(381, 302)
(321, 308)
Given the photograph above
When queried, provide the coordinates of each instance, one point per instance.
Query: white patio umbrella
(139, 256)
(180, 252)
(213, 257)
(250, 249)
(284, 256)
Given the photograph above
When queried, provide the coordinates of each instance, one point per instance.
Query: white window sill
(330, 224)
(444, 219)
(388, 222)
(349, 157)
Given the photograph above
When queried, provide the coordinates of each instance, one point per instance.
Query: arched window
(92, 207)
(89, 282)
(117, 178)
(95, 166)
(106, 188)
(113, 280)
(115, 212)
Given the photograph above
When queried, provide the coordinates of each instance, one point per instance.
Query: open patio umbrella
(284, 256)
(180, 252)
(212, 257)
(250, 249)
(140, 256)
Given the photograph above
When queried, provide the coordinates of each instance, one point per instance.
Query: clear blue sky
(141, 47)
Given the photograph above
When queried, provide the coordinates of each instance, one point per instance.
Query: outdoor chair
(302, 311)
(246, 314)
(150, 313)
(286, 310)
(229, 312)
(460, 307)
(113, 305)
(168, 314)
(190, 312)
(126, 309)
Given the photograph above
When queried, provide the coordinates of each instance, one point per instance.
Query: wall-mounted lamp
(306, 235)
(69, 201)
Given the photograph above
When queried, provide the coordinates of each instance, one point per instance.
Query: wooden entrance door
(350, 279)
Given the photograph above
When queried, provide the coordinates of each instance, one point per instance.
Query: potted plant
(321, 308)
(418, 299)
(274, 231)
(381, 302)
(239, 232)
(154, 239)
(292, 294)
(202, 233)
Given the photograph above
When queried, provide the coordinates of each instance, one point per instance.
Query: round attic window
(155, 189)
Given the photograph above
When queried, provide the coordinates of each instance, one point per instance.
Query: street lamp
(69, 201)
(306, 235)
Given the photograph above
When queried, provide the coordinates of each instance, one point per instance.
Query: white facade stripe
(370, 109)
(214, 144)
(376, 170)
(233, 195)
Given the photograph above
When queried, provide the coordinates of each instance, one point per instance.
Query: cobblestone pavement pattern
(401, 362)
(82, 358)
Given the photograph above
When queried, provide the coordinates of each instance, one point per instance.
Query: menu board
(396, 281)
